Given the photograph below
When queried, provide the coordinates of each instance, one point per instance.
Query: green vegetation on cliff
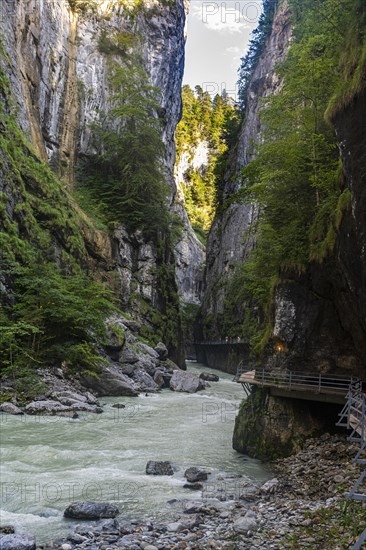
(296, 179)
(51, 308)
(213, 125)
(124, 174)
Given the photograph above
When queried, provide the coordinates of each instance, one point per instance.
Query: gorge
(133, 227)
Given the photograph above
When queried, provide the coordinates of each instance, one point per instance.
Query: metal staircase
(353, 417)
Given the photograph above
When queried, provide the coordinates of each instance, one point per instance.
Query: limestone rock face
(326, 324)
(145, 381)
(232, 235)
(269, 427)
(190, 253)
(60, 81)
(319, 316)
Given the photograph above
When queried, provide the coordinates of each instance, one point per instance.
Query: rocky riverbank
(302, 507)
(131, 367)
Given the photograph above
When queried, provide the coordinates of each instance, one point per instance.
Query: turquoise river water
(47, 462)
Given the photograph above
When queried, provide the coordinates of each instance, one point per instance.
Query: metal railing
(223, 342)
(353, 417)
(241, 369)
(292, 380)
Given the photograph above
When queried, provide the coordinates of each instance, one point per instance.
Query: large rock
(144, 381)
(209, 376)
(7, 530)
(162, 351)
(186, 382)
(270, 486)
(193, 486)
(17, 542)
(116, 339)
(46, 407)
(148, 364)
(247, 523)
(127, 369)
(159, 378)
(64, 405)
(128, 356)
(91, 510)
(147, 350)
(159, 468)
(9, 408)
(195, 474)
(85, 407)
(111, 381)
(133, 326)
(74, 396)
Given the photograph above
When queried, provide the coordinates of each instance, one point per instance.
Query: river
(46, 462)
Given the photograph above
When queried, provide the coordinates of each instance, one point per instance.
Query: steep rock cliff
(317, 316)
(59, 77)
(320, 316)
(232, 235)
(190, 252)
(325, 310)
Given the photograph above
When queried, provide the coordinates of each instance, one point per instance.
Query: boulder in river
(186, 382)
(193, 486)
(195, 474)
(209, 376)
(7, 530)
(17, 542)
(63, 407)
(69, 395)
(159, 468)
(9, 408)
(91, 510)
(48, 406)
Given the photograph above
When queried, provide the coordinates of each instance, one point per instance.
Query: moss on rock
(269, 427)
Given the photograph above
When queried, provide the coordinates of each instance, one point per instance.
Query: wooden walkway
(329, 388)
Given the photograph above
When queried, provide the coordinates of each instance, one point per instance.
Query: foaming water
(48, 462)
